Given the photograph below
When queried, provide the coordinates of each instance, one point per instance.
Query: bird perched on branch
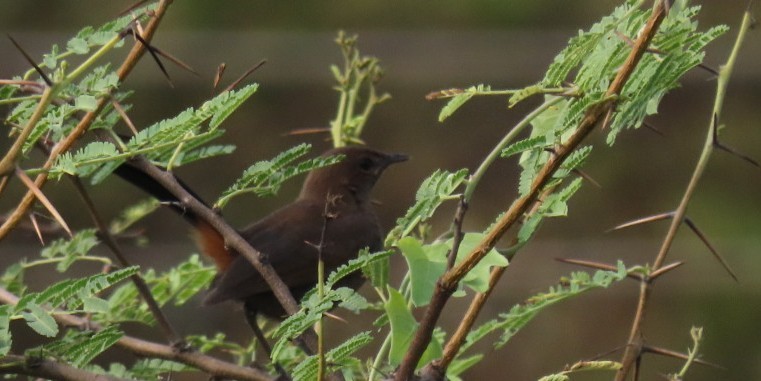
(288, 237)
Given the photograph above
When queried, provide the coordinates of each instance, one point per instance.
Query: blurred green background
(426, 46)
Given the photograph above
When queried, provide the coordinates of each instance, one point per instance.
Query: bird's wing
(288, 238)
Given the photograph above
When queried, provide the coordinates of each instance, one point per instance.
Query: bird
(333, 212)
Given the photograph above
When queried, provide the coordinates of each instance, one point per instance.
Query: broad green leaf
(478, 277)
(5, 332)
(86, 103)
(426, 264)
(403, 328)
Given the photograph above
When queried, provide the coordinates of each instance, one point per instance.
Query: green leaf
(460, 365)
(521, 314)
(265, 177)
(537, 142)
(86, 103)
(133, 214)
(229, 101)
(5, 331)
(478, 277)
(455, 103)
(78, 45)
(403, 325)
(336, 357)
(94, 304)
(434, 190)
(69, 251)
(39, 320)
(426, 264)
(403, 328)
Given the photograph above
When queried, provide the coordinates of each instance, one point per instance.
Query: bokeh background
(426, 46)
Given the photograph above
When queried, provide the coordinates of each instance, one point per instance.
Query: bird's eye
(366, 164)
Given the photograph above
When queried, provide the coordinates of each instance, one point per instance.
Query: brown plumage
(288, 236)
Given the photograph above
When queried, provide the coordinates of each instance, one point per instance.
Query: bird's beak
(396, 158)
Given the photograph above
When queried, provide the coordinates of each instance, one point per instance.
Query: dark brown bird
(288, 237)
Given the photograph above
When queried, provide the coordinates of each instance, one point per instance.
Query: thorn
(42, 199)
(175, 60)
(36, 228)
(677, 355)
(720, 146)
(715, 253)
(124, 116)
(152, 51)
(20, 83)
(643, 220)
(610, 352)
(218, 77)
(637, 364)
(653, 128)
(336, 317)
(246, 74)
(608, 119)
(655, 274)
(709, 69)
(131, 8)
(306, 131)
(585, 176)
(596, 265)
(3, 183)
(31, 61)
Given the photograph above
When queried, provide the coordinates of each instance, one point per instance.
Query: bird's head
(353, 176)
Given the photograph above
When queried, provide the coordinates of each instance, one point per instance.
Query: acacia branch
(447, 283)
(144, 348)
(126, 68)
(634, 347)
(48, 369)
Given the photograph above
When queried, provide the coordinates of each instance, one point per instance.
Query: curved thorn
(678, 355)
(715, 253)
(643, 220)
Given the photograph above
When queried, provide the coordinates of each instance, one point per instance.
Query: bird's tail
(209, 240)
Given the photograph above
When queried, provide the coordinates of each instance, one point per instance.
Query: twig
(63, 146)
(459, 215)
(142, 288)
(447, 283)
(48, 369)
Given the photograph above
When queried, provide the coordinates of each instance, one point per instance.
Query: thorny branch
(635, 345)
(63, 146)
(447, 283)
(144, 348)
